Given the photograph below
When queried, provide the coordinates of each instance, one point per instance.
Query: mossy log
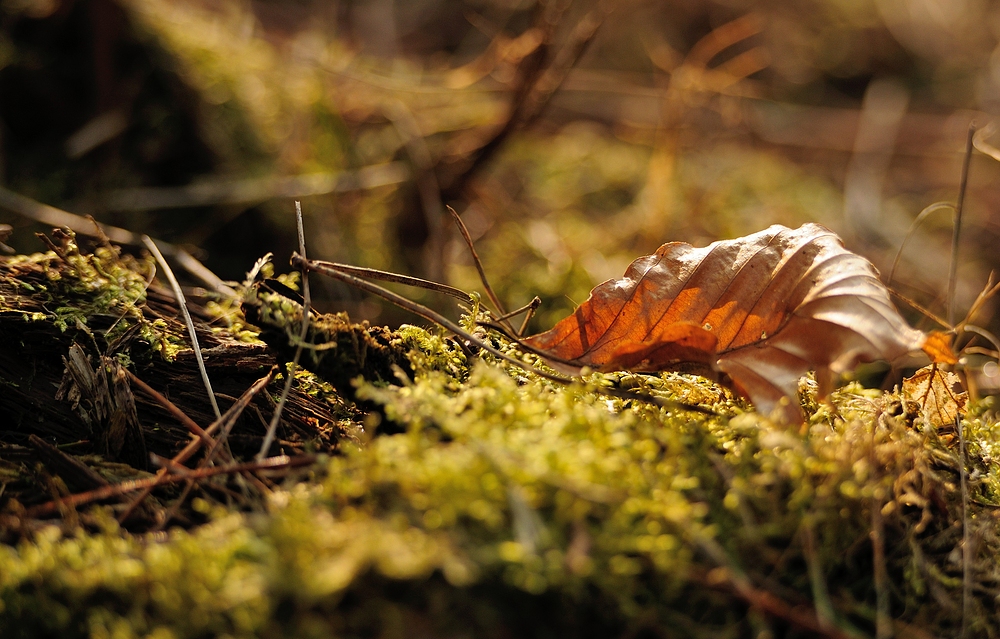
(73, 322)
(502, 504)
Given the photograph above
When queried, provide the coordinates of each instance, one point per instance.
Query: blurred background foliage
(572, 135)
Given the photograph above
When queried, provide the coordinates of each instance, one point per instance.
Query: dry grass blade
(988, 291)
(984, 147)
(982, 332)
(182, 304)
(962, 188)
(937, 206)
(26, 207)
(272, 427)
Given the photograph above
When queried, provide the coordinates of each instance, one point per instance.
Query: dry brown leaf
(939, 394)
(765, 309)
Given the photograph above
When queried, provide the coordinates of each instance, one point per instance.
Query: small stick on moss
(962, 187)
(272, 428)
(396, 278)
(420, 310)
(529, 312)
(464, 230)
(532, 307)
(182, 303)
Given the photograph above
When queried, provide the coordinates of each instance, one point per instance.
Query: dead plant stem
(182, 304)
(962, 187)
(272, 428)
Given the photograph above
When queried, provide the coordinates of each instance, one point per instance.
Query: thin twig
(171, 408)
(962, 187)
(182, 303)
(272, 428)
(532, 307)
(396, 278)
(271, 463)
(479, 267)
(433, 316)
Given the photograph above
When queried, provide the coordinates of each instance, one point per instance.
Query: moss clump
(335, 349)
(68, 288)
(511, 506)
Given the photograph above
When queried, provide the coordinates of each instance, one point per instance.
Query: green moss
(507, 492)
(73, 287)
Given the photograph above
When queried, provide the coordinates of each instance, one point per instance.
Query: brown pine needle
(230, 416)
(171, 408)
(272, 463)
(464, 230)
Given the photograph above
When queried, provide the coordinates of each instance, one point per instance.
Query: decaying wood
(70, 352)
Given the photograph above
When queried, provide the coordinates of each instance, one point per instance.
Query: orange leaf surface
(764, 309)
(938, 393)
